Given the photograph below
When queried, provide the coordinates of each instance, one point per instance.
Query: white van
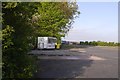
(46, 42)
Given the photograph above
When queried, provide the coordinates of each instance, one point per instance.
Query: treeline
(22, 23)
(99, 43)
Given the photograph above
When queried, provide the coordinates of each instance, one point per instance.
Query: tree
(55, 18)
(81, 43)
(22, 22)
(16, 31)
(86, 42)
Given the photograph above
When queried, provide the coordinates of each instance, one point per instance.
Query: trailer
(47, 43)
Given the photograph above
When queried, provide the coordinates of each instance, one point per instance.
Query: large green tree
(17, 30)
(55, 18)
(22, 22)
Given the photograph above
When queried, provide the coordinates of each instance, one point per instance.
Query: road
(89, 62)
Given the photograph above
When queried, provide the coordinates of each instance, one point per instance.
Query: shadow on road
(61, 68)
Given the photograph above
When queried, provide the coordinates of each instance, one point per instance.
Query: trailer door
(40, 43)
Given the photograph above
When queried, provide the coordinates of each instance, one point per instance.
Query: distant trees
(99, 43)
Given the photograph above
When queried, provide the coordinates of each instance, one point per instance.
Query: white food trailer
(46, 42)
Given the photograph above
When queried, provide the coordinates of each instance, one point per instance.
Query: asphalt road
(90, 62)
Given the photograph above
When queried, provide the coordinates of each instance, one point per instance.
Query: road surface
(90, 62)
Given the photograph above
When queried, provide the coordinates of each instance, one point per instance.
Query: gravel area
(90, 62)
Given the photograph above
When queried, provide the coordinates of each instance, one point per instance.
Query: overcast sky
(97, 21)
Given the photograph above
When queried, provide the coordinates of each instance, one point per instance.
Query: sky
(98, 21)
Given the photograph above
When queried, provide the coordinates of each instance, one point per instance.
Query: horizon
(88, 41)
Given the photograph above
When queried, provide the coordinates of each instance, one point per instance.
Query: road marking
(76, 49)
(96, 58)
(81, 51)
(64, 57)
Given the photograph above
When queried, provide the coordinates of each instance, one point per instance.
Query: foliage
(22, 23)
(15, 44)
(55, 18)
(99, 43)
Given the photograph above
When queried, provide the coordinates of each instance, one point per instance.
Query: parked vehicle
(47, 43)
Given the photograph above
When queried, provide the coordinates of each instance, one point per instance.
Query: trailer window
(51, 40)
